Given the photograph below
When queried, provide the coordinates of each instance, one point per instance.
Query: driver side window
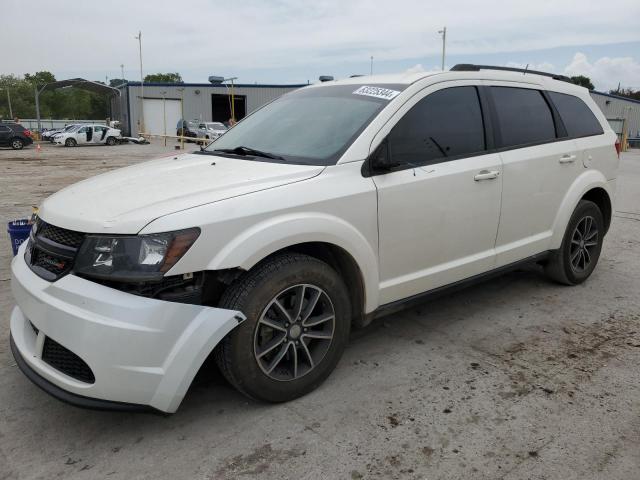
(83, 130)
(447, 123)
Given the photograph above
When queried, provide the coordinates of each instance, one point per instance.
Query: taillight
(618, 147)
(27, 133)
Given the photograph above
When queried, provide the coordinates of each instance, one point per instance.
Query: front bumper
(142, 352)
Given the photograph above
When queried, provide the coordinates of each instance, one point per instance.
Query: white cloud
(223, 37)
(418, 68)
(606, 72)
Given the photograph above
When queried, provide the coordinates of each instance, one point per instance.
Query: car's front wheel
(578, 255)
(17, 144)
(70, 142)
(111, 141)
(297, 326)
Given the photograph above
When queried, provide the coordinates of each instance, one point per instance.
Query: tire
(111, 141)
(246, 356)
(17, 143)
(578, 255)
(70, 142)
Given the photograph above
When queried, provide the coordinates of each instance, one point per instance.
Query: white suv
(330, 206)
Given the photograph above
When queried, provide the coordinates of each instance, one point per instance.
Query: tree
(163, 78)
(583, 81)
(40, 78)
(626, 92)
(116, 82)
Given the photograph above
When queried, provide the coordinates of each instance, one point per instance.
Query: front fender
(269, 236)
(586, 181)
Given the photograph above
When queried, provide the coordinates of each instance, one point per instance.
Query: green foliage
(116, 82)
(626, 92)
(163, 78)
(583, 81)
(71, 103)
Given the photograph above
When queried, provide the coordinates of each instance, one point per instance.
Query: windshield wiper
(242, 150)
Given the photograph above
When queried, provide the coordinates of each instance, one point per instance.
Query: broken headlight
(133, 258)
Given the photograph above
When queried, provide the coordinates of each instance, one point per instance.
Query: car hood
(127, 199)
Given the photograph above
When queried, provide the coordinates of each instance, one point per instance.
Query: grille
(50, 263)
(59, 235)
(66, 361)
(50, 254)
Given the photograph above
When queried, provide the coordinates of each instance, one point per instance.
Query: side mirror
(380, 159)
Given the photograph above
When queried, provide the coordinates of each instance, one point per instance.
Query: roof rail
(469, 67)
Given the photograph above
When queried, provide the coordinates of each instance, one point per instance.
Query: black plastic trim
(389, 308)
(469, 67)
(72, 398)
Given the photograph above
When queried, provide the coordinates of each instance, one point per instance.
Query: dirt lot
(516, 378)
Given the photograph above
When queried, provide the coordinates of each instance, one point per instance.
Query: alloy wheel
(294, 332)
(583, 243)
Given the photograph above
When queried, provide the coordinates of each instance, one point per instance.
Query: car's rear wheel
(578, 255)
(70, 142)
(17, 144)
(297, 326)
(111, 141)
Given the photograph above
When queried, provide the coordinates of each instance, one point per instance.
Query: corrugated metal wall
(620, 108)
(197, 99)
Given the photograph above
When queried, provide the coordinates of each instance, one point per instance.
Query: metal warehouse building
(164, 103)
(623, 113)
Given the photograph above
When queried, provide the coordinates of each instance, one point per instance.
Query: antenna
(525, 69)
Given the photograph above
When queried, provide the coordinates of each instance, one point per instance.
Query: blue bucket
(18, 232)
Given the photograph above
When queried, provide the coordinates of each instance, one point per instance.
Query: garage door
(157, 116)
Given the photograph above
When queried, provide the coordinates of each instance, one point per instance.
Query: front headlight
(133, 258)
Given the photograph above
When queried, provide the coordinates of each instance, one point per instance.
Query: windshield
(309, 126)
(216, 126)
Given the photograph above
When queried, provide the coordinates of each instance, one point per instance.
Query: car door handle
(486, 175)
(567, 159)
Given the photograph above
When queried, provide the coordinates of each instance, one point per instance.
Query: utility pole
(443, 32)
(371, 70)
(9, 102)
(141, 121)
(122, 72)
(164, 115)
(181, 90)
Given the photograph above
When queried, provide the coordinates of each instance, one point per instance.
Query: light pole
(443, 32)
(122, 72)
(371, 70)
(181, 90)
(141, 121)
(9, 102)
(164, 115)
(38, 92)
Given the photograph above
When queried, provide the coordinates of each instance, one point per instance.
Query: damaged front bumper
(139, 352)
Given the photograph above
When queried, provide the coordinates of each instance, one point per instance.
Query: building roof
(617, 97)
(205, 85)
(83, 84)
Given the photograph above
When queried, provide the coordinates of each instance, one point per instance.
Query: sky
(289, 41)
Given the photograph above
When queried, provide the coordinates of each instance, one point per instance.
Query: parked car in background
(187, 128)
(15, 136)
(88, 134)
(50, 134)
(211, 130)
(335, 204)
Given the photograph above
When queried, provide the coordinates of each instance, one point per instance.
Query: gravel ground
(516, 378)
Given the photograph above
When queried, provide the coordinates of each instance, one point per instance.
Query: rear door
(594, 146)
(540, 163)
(5, 134)
(438, 212)
(83, 135)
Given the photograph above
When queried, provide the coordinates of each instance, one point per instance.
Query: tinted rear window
(523, 116)
(577, 117)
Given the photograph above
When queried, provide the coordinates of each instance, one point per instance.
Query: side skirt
(429, 295)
